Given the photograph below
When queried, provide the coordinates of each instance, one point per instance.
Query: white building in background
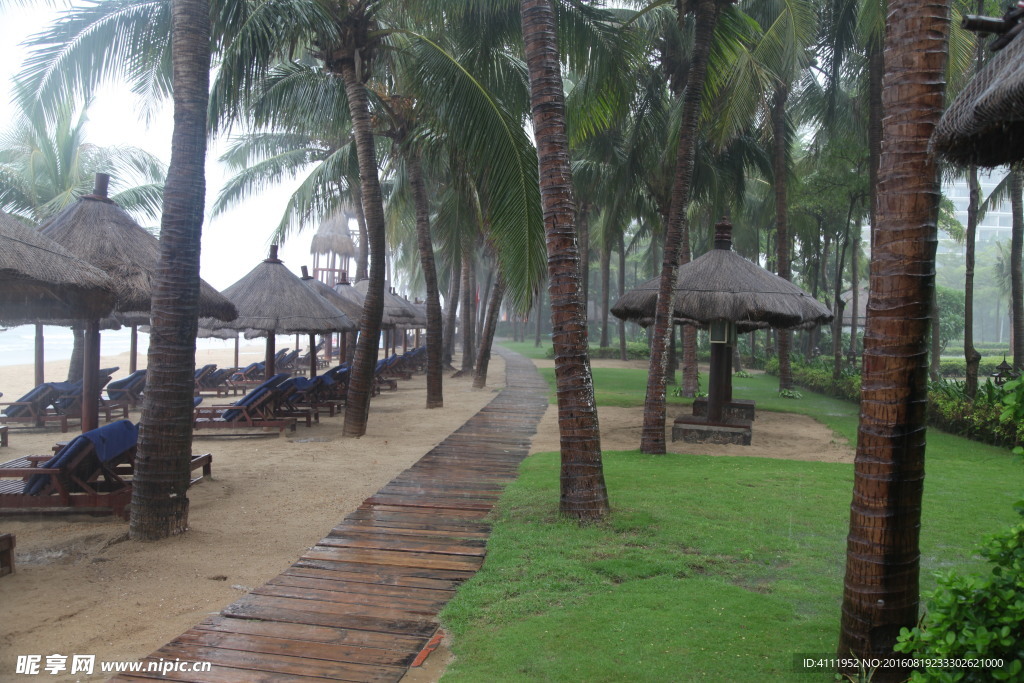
(998, 221)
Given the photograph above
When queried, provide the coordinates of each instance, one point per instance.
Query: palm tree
(159, 502)
(583, 492)
(882, 565)
(46, 164)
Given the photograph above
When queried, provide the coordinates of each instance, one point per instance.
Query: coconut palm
(882, 566)
(46, 164)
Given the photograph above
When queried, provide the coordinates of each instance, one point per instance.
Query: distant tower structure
(333, 240)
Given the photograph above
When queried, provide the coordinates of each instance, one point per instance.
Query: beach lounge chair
(91, 473)
(217, 383)
(128, 390)
(35, 408)
(297, 397)
(254, 410)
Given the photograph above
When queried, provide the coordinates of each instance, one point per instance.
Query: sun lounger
(35, 408)
(297, 397)
(128, 390)
(254, 410)
(91, 473)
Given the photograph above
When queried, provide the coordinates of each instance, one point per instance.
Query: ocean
(17, 344)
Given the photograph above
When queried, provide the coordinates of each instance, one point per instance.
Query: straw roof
(103, 234)
(721, 284)
(332, 237)
(272, 298)
(985, 124)
(394, 306)
(344, 305)
(420, 309)
(41, 281)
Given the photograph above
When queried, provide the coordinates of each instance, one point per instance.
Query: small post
(91, 377)
(39, 355)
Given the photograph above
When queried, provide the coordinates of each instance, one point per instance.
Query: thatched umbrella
(728, 293)
(336, 300)
(332, 239)
(103, 234)
(42, 281)
(395, 311)
(273, 300)
(985, 124)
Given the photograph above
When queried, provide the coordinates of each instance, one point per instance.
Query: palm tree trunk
(160, 482)
(971, 355)
(467, 326)
(936, 341)
(76, 363)
(855, 285)
(357, 403)
(363, 257)
(622, 290)
(540, 317)
(435, 394)
(677, 248)
(1016, 276)
(882, 561)
(451, 314)
(583, 226)
(483, 356)
(780, 170)
(606, 274)
(583, 493)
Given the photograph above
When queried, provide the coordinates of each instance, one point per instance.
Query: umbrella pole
(269, 363)
(312, 356)
(39, 355)
(133, 358)
(716, 382)
(342, 338)
(91, 377)
(236, 351)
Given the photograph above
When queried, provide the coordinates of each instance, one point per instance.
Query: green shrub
(976, 617)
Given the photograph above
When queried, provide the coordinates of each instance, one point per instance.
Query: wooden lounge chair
(296, 397)
(91, 473)
(128, 390)
(35, 408)
(254, 410)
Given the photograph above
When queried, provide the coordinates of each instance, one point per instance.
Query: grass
(708, 568)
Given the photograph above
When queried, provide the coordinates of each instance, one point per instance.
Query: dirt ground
(81, 587)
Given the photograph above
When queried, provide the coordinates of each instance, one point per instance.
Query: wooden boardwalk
(363, 602)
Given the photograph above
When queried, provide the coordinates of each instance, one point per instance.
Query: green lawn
(709, 568)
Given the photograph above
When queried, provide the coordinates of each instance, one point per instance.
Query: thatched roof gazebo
(984, 125)
(338, 301)
(726, 293)
(333, 240)
(273, 300)
(41, 281)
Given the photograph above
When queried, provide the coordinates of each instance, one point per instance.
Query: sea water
(17, 344)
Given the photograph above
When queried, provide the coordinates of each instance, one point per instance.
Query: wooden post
(39, 355)
(91, 377)
(269, 370)
(133, 354)
(312, 356)
(236, 351)
(716, 387)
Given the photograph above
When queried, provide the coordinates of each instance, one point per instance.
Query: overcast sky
(234, 242)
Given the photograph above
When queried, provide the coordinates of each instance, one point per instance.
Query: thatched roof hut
(42, 281)
(101, 233)
(270, 298)
(332, 237)
(722, 285)
(345, 306)
(985, 124)
(395, 308)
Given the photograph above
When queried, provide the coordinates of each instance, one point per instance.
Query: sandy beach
(81, 587)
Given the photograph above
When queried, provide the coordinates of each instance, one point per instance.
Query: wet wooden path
(363, 603)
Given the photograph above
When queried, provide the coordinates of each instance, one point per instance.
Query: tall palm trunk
(855, 287)
(450, 315)
(622, 290)
(606, 272)
(160, 482)
(483, 356)
(882, 561)
(363, 257)
(467, 325)
(435, 395)
(583, 492)
(652, 439)
(971, 355)
(1016, 277)
(357, 404)
(780, 173)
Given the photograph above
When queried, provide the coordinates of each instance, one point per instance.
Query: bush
(976, 617)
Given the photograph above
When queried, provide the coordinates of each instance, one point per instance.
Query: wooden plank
(279, 664)
(372, 640)
(217, 674)
(249, 642)
(394, 558)
(270, 609)
(410, 608)
(392, 576)
(382, 541)
(293, 577)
